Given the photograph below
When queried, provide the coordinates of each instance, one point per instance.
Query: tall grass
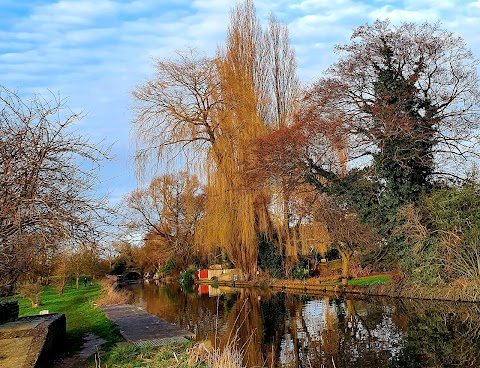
(111, 295)
(228, 357)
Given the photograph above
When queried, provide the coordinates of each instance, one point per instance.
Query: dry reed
(111, 294)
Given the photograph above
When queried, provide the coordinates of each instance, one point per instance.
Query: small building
(209, 274)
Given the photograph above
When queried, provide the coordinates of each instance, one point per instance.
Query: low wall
(33, 341)
(54, 340)
(222, 274)
(8, 311)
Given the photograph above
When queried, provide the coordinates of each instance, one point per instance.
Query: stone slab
(13, 352)
(138, 325)
(31, 342)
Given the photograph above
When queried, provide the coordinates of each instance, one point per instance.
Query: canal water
(282, 329)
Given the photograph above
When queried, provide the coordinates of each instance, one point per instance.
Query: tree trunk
(345, 265)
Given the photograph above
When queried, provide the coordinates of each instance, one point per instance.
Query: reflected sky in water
(277, 329)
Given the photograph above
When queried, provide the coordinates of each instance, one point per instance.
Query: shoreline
(393, 290)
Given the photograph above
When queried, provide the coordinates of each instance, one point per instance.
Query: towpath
(140, 327)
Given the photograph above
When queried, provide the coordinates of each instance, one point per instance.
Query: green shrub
(301, 270)
(169, 267)
(186, 279)
(269, 257)
(215, 282)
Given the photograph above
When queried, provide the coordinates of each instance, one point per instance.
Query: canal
(280, 329)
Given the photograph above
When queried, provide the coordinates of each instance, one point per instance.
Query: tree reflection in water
(288, 330)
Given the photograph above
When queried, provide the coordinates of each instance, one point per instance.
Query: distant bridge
(130, 274)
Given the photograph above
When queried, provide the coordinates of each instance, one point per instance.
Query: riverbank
(376, 285)
(86, 323)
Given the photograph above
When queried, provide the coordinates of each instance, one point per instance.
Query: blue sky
(95, 51)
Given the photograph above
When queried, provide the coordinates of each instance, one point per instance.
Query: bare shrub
(228, 357)
(32, 291)
(357, 270)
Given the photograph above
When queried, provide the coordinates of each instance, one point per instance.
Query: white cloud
(401, 15)
(96, 51)
(72, 12)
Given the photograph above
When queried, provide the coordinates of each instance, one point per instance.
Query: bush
(112, 295)
(31, 291)
(186, 279)
(169, 267)
(301, 269)
(269, 257)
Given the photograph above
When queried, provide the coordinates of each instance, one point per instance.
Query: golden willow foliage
(234, 209)
(314, 236)
(210, 111)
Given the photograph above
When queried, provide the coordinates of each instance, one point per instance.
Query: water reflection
(288, 330)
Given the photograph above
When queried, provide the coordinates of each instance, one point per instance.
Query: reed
(228, 357)
(111, 294)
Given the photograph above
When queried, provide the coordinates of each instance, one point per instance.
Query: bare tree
(167, 213)
(47, 180)
(177, 111)
(345, 231)
(405, 97)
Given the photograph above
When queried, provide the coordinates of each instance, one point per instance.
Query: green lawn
(82, 317)
(369, 280)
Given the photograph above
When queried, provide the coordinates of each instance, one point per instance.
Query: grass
(82, 316)
(173, 355)
(170, 355)
(369, 280)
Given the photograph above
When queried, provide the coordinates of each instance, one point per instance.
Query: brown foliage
(167, 211)
(211, 110)
(111, 294)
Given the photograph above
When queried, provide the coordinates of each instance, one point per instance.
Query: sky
(94, 52)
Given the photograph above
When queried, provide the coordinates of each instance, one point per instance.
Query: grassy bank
(81, 314)
(368, 280)
(173, 355)
(131, 356)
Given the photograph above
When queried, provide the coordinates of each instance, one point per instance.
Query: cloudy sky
(95, 51)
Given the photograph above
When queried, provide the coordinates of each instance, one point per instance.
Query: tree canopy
(47, 182)
(392, 120)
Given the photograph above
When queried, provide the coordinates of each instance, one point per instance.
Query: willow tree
(234, 209)
(209, 111)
